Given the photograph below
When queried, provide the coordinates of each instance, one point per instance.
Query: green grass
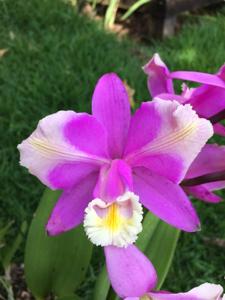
(53, 62)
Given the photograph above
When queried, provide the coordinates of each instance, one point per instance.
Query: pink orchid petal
(208, 100)
(65, 147)
(159, 80)
(165, 199)
(202, 193)
(219, 129)
(171, 97)
(205, 291)
(130, 271)
(173, 136)
(211, 159)
(114, 180)
(110, 105)
(205, 78)
(69, 209)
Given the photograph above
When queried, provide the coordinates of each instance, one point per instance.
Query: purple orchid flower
(205, 291)
(109, 163)
(208, 100)
(205, 173)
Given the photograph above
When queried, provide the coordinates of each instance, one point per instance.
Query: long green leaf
(54, 264)
(158, 241)
(10, 251)
(102, 285)
(111, 11)
(133, 8)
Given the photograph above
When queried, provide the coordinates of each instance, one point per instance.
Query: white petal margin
(182, 134)
(207, 291)
(117, 223)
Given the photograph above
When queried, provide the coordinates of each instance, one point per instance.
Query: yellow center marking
(145, 297)
(113, 219)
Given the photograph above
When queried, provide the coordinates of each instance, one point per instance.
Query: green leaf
(54, 264)
(110, 15)
(161, 246)
(102, 285)
(10, 251)
(133, 8)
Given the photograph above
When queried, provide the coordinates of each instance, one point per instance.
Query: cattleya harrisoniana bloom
(109, 163)
(208, 100)
(205, 291)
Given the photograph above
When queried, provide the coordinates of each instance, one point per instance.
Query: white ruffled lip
(117, 223)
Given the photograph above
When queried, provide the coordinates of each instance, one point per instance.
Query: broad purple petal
(65, 147)
(144, 127)
(173, 136)
(130, 272)
(69, 209)
(205, 78)
(114, 180)
(110, 105)
(165, 199)
(159, 80)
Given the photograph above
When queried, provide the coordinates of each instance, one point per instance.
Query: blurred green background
(53, 60)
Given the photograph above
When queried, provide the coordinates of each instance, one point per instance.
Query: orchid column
(109, 163)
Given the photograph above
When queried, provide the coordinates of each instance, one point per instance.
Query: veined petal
(64, 148)
(159, 80)
(177, 136)
(205, 78)
(110, 105)
(130, 271)
(165, 199)
(69, 209)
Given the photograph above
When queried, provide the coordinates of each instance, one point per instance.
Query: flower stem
(211, 177)
(217, 117)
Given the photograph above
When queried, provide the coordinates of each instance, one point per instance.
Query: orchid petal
(130, 271)
(208, 100)
(63, 143)
(159, 80)
(205, 291)
(69, 209)
(219, 129)
(171, 97)
(173, 136)
(205, 78)
(110, 105)
(210, 160)
(201, 192)
(165, 199)
(114, 180)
